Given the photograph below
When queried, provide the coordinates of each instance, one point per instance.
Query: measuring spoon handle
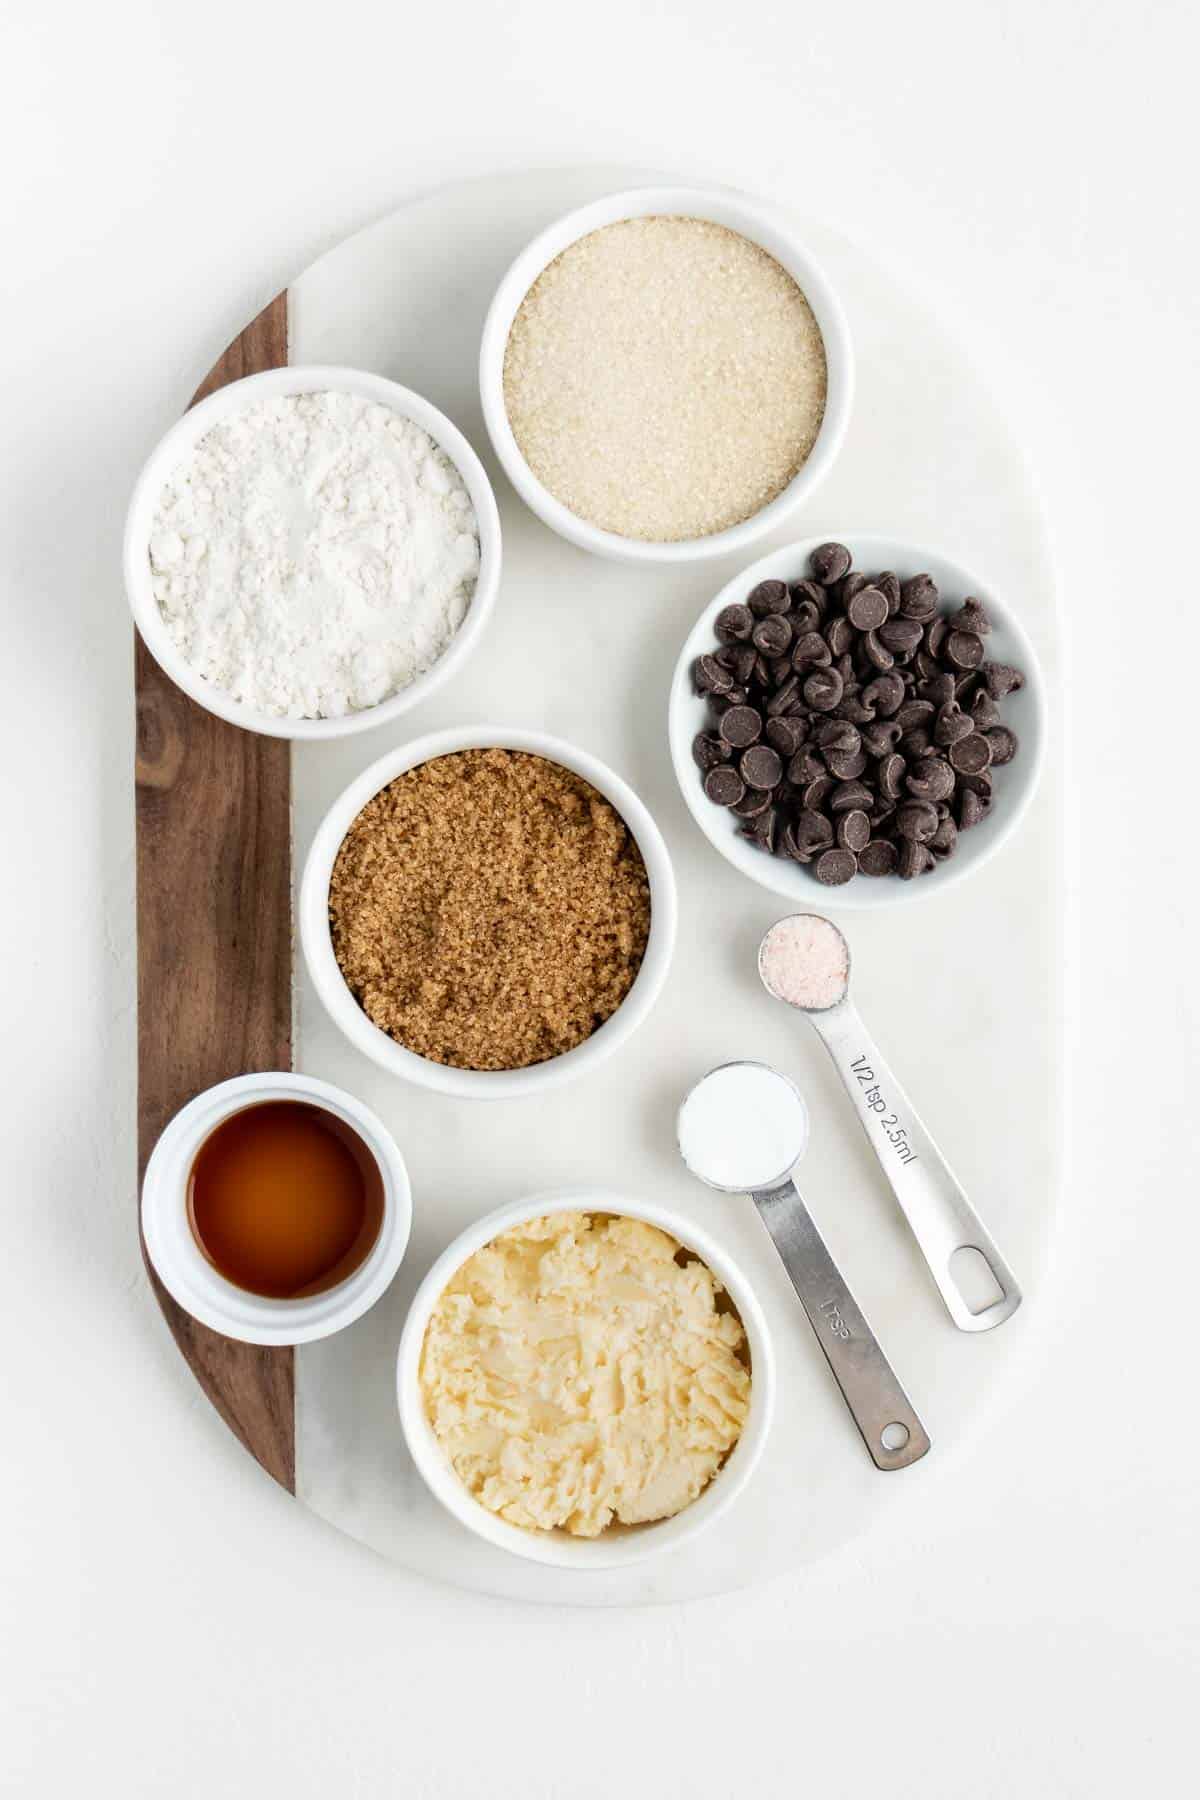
(941, 1217)
(891, 1430)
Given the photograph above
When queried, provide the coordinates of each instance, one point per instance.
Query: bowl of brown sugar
(487, 912)
(665, 373)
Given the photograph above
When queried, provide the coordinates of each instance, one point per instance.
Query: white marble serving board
(962, 990)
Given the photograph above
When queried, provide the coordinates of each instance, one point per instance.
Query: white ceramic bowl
(486, 1084)
(618, 1545)
(724, 206)
(1015, 783)
(186, 1272)
(188, 431)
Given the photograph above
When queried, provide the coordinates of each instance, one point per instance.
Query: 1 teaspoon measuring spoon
(742, 1130)
(805, 961)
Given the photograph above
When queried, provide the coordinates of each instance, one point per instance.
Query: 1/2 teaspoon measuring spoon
(805, 961)
(742, 1130)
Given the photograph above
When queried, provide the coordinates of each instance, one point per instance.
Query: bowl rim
(199, 1288)
(491, 1084)
(763, 225)
(558, 1548)
(789, 879)
(186, 432)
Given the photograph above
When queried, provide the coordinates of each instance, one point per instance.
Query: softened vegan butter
(579, 1371)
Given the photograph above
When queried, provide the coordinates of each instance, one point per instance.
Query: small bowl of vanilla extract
(276, 1209)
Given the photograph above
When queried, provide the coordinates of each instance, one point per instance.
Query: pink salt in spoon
(805, 961)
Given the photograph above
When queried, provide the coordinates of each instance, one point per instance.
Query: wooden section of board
(214, 901)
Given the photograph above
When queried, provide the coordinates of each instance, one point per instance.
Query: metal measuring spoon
(742, 1130)
(805, 961)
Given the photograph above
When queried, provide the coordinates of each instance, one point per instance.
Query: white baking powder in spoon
(743, 1127)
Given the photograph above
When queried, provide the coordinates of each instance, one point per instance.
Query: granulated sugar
(665, 378)
(804, 960)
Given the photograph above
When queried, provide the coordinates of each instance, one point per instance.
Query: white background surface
(170, 1622)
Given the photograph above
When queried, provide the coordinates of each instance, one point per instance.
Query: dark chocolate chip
(889, 586)
(984, 710)
(810, 651)
(915, 858)
(761, 766)
(914, 743)
(916, 819)
(745, 661)
(971, 755)
(752, 802)
(812, 832)
(930, 779)
(964, 649)
(971, 808)
(830, 562)
(836, 734)
(868, 609)
(782, 699)
(847, 765)
(741, 726)
(885, 694)
(804, 617)
(805, 766)
(850, 707)
(879, 858)
(839, 635)
(970, 617)
(877, 655)
(891, 773)
(764, 830)
(879, 738)
(944, 841)
(772, 635)
(734, 622)
(823, 689)
(768, 597)
(918, 598)
(935, 635)
(854, 830)
(852, 584)
(708, 751)
(724, 786)
(914, 712)
(952, 723)
(786, 735)
(848, 795)
(817, 792)
(708, 676)
(1003, 743)
(813, 593)
(833, 868)
(900, 635)
(1001, 679)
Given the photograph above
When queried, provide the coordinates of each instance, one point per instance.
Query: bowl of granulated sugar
(311, 551)
(665, 374)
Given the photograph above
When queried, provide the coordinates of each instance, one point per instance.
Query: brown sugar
(489, 909)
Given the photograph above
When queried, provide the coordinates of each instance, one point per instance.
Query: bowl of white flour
(310, 551)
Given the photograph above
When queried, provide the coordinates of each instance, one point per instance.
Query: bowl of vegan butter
(585, 1380)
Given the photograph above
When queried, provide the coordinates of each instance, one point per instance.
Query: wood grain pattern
(214, 888)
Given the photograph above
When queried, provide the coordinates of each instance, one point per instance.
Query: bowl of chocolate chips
(863, 716)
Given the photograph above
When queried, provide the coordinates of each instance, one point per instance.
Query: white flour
(314, 554)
